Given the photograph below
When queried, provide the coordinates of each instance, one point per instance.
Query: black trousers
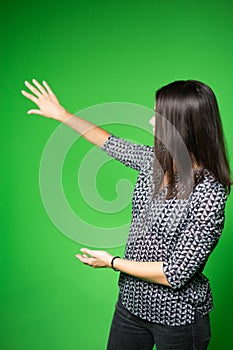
(129, 332)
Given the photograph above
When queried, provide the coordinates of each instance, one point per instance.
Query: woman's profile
(178, 213)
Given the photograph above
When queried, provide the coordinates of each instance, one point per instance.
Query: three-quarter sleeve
(200, 235)
(130, 154)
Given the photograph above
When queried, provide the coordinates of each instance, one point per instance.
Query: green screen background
(91, 53)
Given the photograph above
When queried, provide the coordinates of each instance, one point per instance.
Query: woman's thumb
(35, 111)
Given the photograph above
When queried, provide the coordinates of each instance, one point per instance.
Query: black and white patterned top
(180, 232)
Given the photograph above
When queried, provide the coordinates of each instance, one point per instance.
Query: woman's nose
(152, 121)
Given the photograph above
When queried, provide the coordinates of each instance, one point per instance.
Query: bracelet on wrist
(113, 261)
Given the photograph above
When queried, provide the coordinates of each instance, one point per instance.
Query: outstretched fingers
(85, 259)
(40, 87)
(30, 96)
(48, 88)
(32, 88)
(87, 251)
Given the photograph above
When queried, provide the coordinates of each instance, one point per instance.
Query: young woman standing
(177, 217)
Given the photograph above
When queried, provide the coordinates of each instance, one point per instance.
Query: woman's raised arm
(50, 107)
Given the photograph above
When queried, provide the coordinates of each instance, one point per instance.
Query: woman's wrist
(112, 262)
(64, 115)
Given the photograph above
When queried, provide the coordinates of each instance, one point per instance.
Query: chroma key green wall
(91, 53)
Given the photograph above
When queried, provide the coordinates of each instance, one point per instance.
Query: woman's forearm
(88, 130)
(148, 271)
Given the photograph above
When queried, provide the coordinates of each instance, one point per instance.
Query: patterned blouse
(180, 232)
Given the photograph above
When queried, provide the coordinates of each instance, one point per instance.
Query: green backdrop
(92, 53)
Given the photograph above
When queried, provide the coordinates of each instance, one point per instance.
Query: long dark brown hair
(187, 122)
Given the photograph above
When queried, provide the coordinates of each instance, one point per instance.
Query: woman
(177, 217)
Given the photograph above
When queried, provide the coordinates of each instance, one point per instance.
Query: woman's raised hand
(46, 100)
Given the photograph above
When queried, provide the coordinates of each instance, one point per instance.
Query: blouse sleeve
(130, 154)
(199, 237)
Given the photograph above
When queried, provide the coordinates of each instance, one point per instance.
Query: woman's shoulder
(208, 181)
(208, 188)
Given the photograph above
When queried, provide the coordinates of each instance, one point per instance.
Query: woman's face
(152, 121)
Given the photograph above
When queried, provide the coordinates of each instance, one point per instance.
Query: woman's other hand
(46, 100)
(98, 258)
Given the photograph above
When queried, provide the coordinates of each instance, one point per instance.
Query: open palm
(45, 99)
